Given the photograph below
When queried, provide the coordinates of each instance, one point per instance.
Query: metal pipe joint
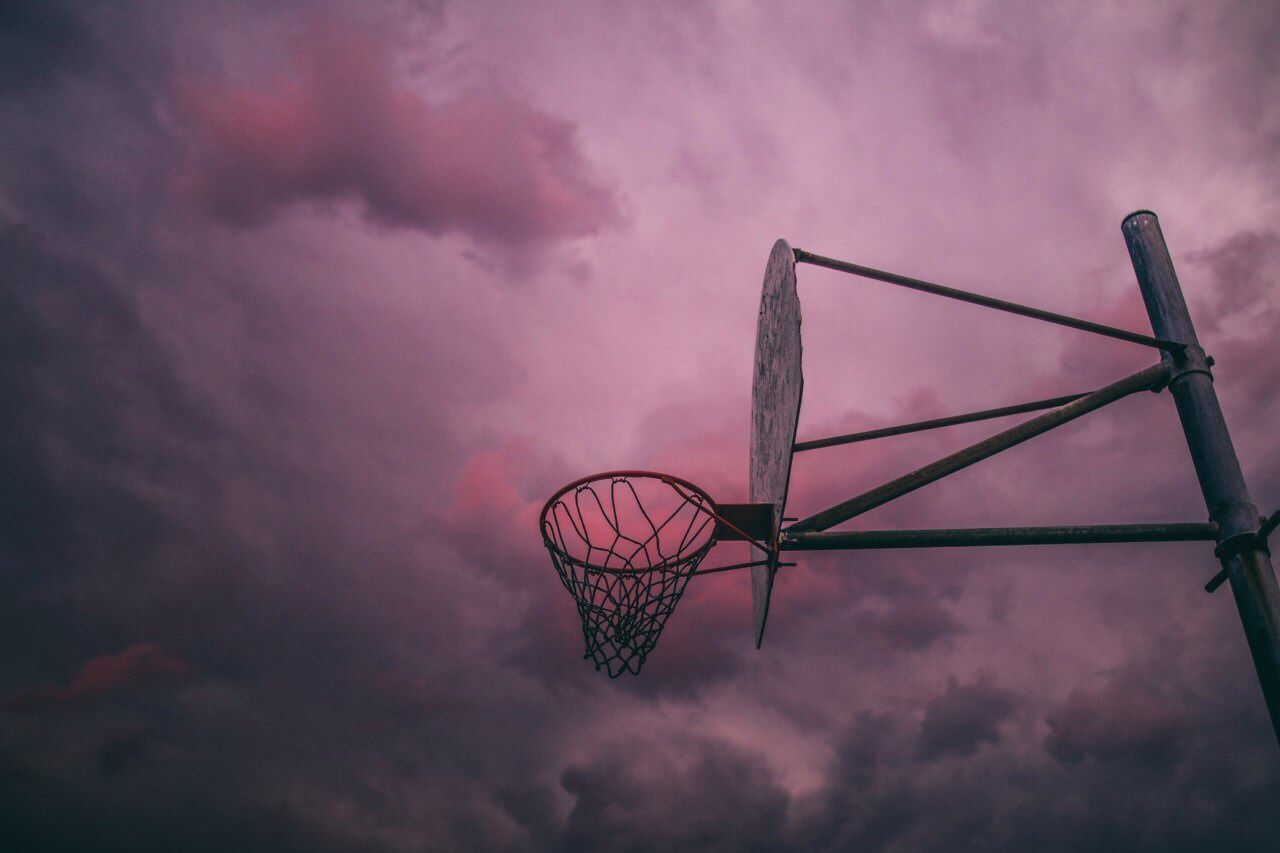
(1191, 359)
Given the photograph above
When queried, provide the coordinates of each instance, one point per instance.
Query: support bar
(1151, 379)
(731, 567)
(987, 301)
(975, 536)
(935, 423)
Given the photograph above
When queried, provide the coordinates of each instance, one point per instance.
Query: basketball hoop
(625, 544)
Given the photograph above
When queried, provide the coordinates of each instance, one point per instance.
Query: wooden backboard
(776, 389)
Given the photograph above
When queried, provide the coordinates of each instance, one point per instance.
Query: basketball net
(625, 545)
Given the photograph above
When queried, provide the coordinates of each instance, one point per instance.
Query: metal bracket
(753, 520)
(1241, 543)
(1192, 359)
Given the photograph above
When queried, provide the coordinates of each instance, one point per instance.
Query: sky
(306, 308)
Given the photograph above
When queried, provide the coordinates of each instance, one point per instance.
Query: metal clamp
(1241, 543)
(1191, 359)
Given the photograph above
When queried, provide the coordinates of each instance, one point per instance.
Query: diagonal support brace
(1152, 379)
(934, 423)
(804, 257)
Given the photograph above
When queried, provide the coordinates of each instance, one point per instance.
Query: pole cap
(1150, 213)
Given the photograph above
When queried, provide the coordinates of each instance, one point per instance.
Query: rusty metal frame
(1151, 379)
(1235, 525)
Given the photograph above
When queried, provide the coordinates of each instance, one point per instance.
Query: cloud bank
(269, 476)
(336, 125)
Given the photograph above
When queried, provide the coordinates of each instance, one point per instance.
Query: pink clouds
(337, 125)
(312, 455)
(138, 665)
(489, 521)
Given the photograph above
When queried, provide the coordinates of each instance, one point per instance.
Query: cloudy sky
(306, 308)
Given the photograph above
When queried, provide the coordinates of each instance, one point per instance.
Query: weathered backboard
(775, 409)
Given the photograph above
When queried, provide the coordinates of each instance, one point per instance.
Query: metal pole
(1152, 378)
(1089, 534)
(1242, 552)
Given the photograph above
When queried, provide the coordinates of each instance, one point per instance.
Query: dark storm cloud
(914, 625)
(40, 39)
(337, 125)
(643, 796)
(185, 525)
(964, 717)
(1113, 723)
(107, 506)
(137, 666)
(880, 795)
(863, 805)
(264, 525)
(122, 754)
(95, 420)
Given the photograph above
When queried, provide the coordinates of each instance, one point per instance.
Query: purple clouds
(137, 666)
(337, 125)
(964, 717)
(268, 492)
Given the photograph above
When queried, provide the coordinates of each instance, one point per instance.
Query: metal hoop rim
(670, 479)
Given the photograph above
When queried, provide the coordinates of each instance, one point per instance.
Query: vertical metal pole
(1243, 555)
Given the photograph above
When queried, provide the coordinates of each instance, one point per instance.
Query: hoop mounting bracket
(753, 520)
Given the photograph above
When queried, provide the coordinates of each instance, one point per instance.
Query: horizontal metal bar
(734, 566)
(731, 567)
(987, 301)
(934, 423)
(982, 536)
(1153, 377)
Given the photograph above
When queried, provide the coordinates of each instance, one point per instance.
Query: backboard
(775, 410)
